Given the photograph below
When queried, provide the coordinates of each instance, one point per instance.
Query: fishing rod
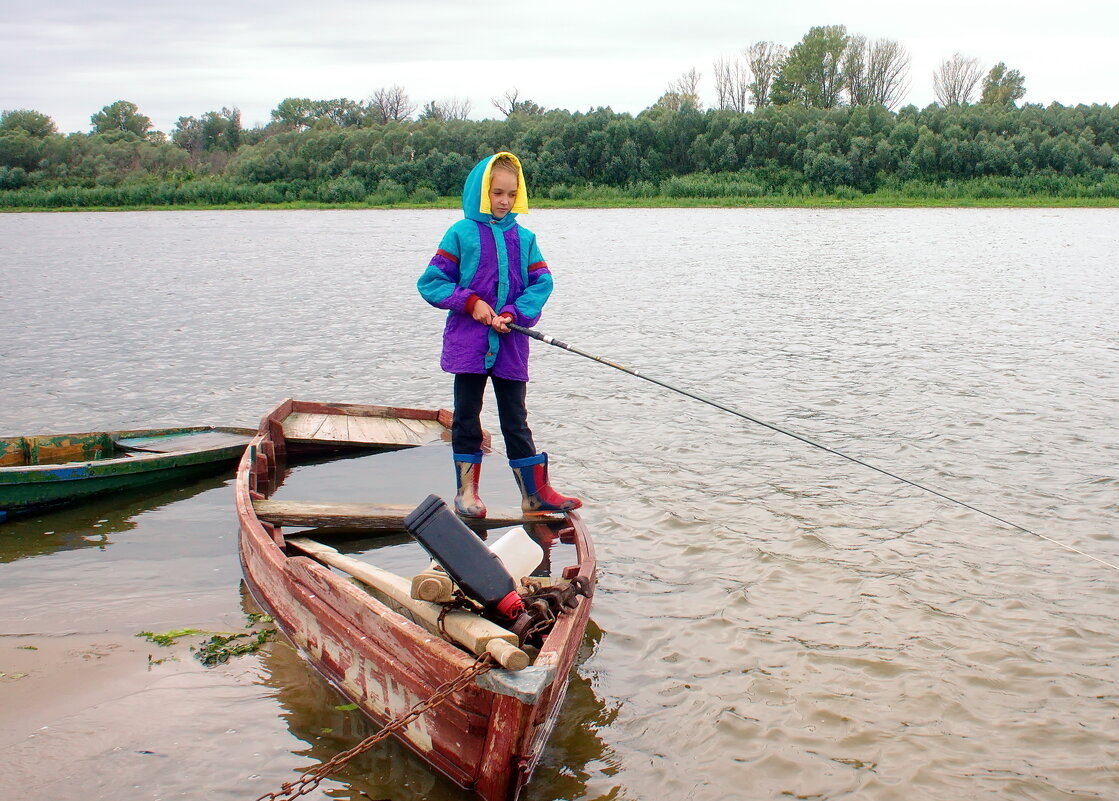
(565, 346)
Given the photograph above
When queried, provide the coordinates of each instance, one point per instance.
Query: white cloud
(74, 58)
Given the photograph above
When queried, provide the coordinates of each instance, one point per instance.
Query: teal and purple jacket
(495, 260)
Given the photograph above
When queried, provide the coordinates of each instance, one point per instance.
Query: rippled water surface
(771, 621)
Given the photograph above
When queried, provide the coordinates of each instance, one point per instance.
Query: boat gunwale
(9, 474)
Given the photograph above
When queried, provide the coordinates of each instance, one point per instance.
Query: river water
(771, 621)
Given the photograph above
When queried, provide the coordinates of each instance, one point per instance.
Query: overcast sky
(69, 58)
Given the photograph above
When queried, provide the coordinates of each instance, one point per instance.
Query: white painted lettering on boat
(387, 699)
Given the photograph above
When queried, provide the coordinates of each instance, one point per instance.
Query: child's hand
(482, 312)
(501, 322)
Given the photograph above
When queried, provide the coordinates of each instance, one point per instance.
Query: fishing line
(565, 346)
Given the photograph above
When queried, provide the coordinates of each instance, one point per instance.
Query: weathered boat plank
(334, 428)
(13, 451)
(377, 431)
(375, 517)
(183, 442)
(302, 426)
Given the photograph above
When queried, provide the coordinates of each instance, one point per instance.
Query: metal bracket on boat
(542, 605)
(524, 685)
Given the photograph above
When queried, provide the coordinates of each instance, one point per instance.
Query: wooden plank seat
(336, 429)
(376, 517)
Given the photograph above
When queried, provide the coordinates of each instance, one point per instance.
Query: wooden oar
(471, 631)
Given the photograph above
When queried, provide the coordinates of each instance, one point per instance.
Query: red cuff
(470, 301)
(508, 317)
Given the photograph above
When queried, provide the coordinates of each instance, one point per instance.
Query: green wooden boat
(40, 471)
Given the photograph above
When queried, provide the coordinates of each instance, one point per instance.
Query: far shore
(775, 201)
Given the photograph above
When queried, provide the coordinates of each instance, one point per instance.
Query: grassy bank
(775, 201)
(700, 190)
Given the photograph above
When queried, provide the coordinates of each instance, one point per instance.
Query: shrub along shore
(775, 156)
(976, 194)
(729, 203)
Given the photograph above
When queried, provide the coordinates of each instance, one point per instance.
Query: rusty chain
(459, 602)
(310, 779)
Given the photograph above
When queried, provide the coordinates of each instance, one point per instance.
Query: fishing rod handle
(532, 332)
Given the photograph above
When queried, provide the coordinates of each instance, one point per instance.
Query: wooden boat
(39, 471)
(487, 737)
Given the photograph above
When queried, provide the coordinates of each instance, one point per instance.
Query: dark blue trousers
(466, 430)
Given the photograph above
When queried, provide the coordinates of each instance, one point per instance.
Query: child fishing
(487, 273)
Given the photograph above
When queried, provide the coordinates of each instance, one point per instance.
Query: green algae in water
(168, 638)
(220, 647)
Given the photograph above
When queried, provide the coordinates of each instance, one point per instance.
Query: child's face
(503, 191)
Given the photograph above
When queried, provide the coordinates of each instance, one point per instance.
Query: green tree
(121, 116)
(294, 113)
(342, 112)
(1002, 87)
(827, 171)
(923, 161)
(674, 101)
(221, 130)
(300, 113)
(764, 60)
(34, 123)
(19, 150)
(187, 134)
(812, 73)
(216, 130)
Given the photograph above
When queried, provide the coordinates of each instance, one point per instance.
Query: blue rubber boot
(536, 493)
(468, 472)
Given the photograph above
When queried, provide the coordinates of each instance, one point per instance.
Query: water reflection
(577, 754)
(311, 710)
(91, 524)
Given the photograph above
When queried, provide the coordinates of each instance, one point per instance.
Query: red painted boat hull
(482, 740)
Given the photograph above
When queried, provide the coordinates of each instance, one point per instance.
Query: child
(488, 273)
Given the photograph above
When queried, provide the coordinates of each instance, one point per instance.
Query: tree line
(814, 118)
(777, 150)
(831, 67)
